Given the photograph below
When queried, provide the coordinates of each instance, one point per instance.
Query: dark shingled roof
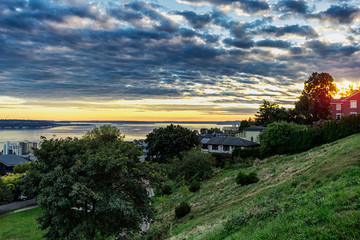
(257, 129)
(11, 160)
(231, 141)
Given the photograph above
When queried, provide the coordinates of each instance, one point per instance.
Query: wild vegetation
(310, 195)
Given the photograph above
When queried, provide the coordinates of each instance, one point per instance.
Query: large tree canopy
(269, 113)
(165, 143)
(90, 187)
(314, 102)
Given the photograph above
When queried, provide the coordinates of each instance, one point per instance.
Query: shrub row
(283, 137)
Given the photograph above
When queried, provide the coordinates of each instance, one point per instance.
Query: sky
(176, 60)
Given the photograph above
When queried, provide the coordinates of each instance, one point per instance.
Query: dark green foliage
(246, 153)
(22, 167)
(194, 186)
(246, 179)
(314, 102)
(195, 166)
(278, 136)
(283, 137)
(90, 187)
(221, 160)
(244, 124)
(166, 189)
(209, 131)
(166, 143)
(6, 196)
(270, 112)
(182, 210)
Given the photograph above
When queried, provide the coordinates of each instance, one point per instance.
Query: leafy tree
(6, 195)
(11, 180)
(244, 124)
(195, 166)
(21, 167)
(90, 187)
(167, 143)
(348, 91)
(314, 102)
(277, 138)
(269, 113)
(209, 131)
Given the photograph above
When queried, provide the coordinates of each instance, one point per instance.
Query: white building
(19, 148)
(251, 134)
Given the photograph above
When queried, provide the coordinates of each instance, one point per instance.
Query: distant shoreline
(17, 124)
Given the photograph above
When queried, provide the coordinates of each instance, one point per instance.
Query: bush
(247, 153)
(278, 138)
(6, 195)
(222, 160)
(194, 186)
(22, 167)
(246, 179)
(195, 166)
(11, 181)
(182, 210)
(166, 189)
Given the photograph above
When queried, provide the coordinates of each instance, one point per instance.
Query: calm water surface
(131, 131)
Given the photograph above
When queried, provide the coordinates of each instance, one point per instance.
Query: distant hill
(311, 195)
(25, 124)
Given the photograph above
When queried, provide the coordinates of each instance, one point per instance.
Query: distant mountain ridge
(25, 124)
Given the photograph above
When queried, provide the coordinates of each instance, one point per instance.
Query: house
(7, 163)
(226, 145)
(251, 133)
(345, 106)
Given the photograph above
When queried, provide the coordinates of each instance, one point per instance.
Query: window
(353, 113)
(353, 104)
(226, 148)
(338, 106)
(214, 147)
(338, 116)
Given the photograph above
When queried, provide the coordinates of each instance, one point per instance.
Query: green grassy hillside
(311, 195)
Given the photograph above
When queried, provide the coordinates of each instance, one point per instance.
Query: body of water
(131, 131)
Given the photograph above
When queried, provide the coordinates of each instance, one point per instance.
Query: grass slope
(311, 195)
(21, 225)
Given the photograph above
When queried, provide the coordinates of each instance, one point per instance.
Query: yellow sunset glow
(343, 86)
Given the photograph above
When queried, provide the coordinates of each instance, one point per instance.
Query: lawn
(21, 225)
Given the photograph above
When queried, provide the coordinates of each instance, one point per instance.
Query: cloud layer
(232, 54)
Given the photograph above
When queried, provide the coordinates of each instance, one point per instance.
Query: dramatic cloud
(292, 6)
(228, 54)
(305, 31)
(343, 14)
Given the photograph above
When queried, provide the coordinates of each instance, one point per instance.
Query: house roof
(231, 141)
(11, 160)
(254, 129)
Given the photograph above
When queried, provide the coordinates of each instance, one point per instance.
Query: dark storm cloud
(343, 14)
(292, 6)
(304, 31)
(239, 43)
(328, 49)
(273, 43)
(196, 20)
